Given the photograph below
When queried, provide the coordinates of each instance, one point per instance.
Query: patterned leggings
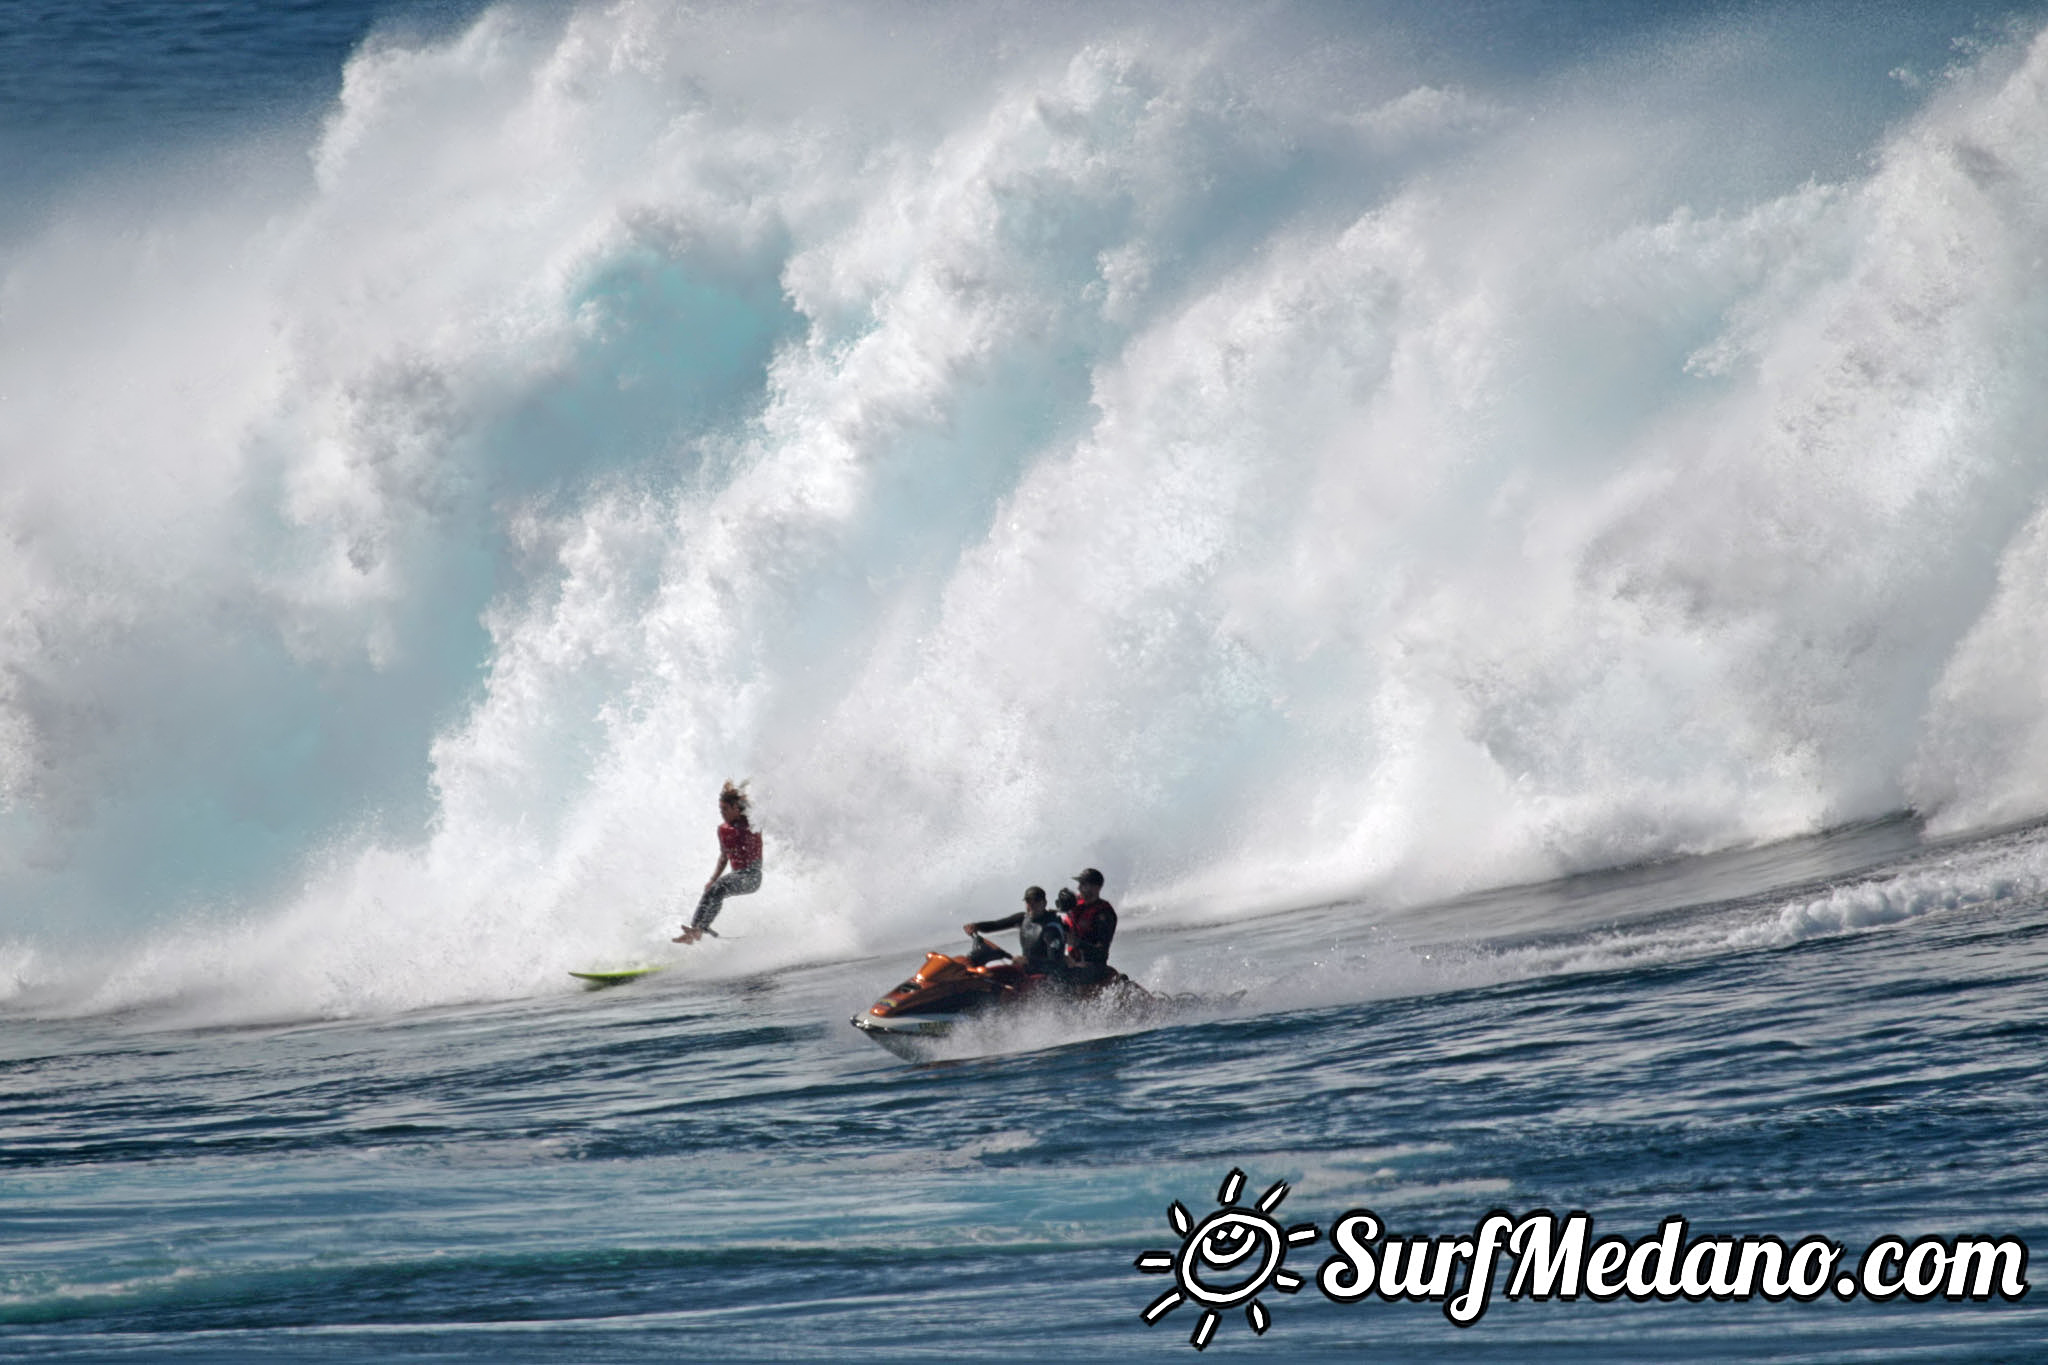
(740, 882)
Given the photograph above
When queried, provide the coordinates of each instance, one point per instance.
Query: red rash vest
(741, 845)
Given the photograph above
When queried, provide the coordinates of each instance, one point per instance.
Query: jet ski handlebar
(983, 946)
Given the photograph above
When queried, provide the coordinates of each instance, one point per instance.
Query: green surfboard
(617, 976)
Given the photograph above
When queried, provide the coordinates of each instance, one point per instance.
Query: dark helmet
(1066, 899)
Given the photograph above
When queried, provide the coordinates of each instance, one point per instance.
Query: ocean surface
(1517, 538)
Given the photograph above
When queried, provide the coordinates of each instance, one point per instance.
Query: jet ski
(948, 990)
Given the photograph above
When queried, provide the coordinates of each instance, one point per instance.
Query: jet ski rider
(1091, 925)
(1039, 933)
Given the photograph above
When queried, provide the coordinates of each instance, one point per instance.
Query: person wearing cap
(1091, 925)
(1039, 934)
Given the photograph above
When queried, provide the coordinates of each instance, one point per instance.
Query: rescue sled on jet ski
(948, 991)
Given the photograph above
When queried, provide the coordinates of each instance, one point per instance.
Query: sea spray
(1267, 479)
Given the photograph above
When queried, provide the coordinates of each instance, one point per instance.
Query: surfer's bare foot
(688, 936)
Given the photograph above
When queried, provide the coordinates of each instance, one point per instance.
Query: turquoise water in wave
(1514, 533)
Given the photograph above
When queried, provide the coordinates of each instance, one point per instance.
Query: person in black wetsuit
(1039, 933)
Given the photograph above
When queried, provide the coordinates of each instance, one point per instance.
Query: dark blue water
(679, 1170)
(110, 86)
(1480, 520)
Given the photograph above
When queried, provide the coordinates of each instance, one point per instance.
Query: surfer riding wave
(739, 846)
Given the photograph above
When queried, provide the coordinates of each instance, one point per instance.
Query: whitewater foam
(1270, 480)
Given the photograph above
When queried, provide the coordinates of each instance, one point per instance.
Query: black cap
(1086, 875)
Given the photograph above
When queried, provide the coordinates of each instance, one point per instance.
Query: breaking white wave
(1145, 440)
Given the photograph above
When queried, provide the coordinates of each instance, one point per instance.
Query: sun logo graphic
(1227, 1259)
